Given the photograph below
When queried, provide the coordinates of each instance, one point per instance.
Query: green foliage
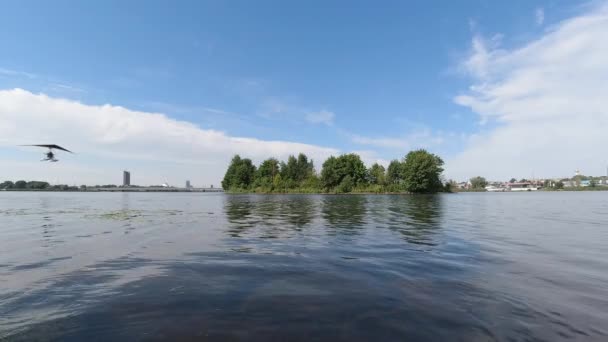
(513, 180)
(478, 182)
(330, 174)
(7, 185)
(240, 174)
(377, 174)
(37, 185)
(63, 187)
(346, 185)
(23, 185)
(394, 174)
(265, 174)
(296, 171)
(559, 185)
(421, 172)
(450, 186)
(312, 182)
(336, 169)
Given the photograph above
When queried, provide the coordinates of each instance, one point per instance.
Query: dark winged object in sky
(50, 156)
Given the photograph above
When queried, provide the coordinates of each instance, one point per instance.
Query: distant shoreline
(183, 190)
(407, 193)
(118, 190)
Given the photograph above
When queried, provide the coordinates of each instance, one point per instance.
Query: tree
(265, 174)
(277, 182)
(336, 169)
(478, 182)
(559, 185)
(513, 180)
(354, 167)
(7, 185)
(21, 184)
(330, 173)
(450, 185)
(37, 185)
(296, 170)
(393, 173)
(376, 174)
(240, 174)
(421, 172)
(304, 168)
(346, 185)
(289, 171)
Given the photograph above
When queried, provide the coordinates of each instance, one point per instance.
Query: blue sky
(377, 77)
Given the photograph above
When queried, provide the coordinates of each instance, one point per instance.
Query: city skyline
(508, 90)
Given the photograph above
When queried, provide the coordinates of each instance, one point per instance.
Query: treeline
(35, 185)
(418, 172)
(21, 184)
(39, 185)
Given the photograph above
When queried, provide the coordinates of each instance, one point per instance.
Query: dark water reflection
(344, 214)
(417, 219)
(469, 267)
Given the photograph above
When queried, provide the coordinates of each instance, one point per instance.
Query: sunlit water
(193, 266)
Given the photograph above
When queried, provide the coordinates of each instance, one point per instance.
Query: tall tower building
(188, 185)
(126, 178)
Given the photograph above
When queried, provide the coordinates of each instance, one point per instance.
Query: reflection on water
(268, 216)
(346, 213)
(417, 219)
(182, 266)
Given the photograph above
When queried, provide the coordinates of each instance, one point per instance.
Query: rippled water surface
(193, 266)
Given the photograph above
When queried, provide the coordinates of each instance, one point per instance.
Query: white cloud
(155, 147)
(422, 138)
(539, 16)
(283, 108)
(321, 117)
(549, 100)
(9, 72)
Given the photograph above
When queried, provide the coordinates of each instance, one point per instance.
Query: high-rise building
(188, 186)
(126, 178)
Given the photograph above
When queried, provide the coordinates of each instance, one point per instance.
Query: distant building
(569, 184)
(188, 186)
(126, 178)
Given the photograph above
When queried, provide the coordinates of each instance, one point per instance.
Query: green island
(418, 172)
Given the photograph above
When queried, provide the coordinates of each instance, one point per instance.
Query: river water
(194, 266)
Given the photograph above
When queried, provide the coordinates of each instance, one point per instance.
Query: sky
(171, 90)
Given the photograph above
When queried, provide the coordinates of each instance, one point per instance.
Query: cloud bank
(548, 100)
(153, 146)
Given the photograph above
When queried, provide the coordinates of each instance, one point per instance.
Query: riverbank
(582, 188)
(117, 189)
(367, 192)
